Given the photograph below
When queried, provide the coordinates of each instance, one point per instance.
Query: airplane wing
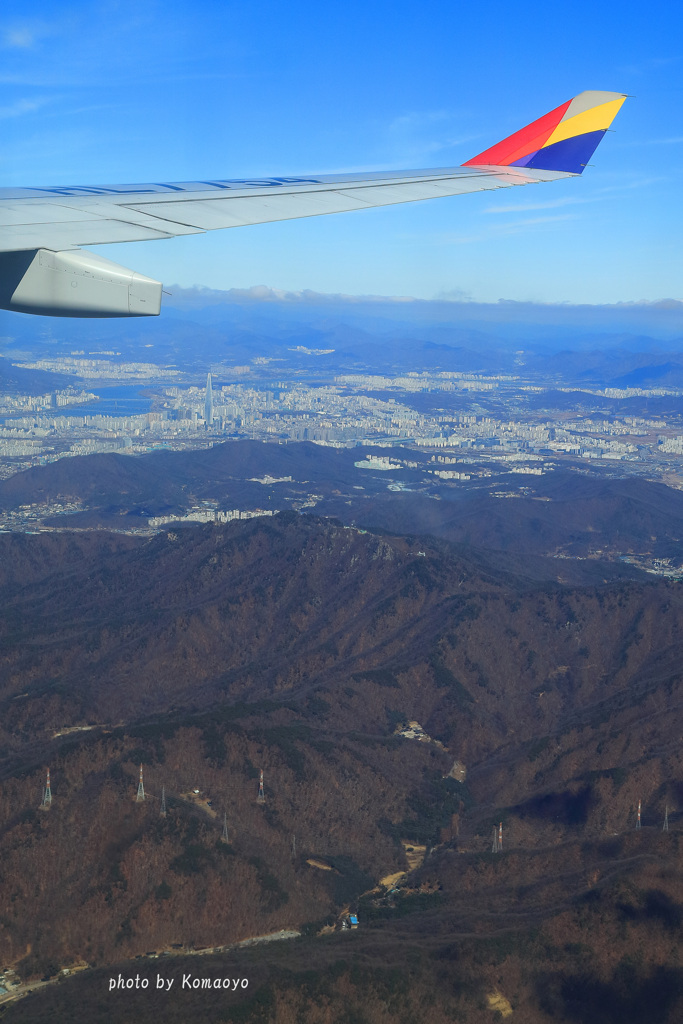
(43, 270)
(67, 218)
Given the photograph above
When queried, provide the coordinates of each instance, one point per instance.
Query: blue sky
(127, 91)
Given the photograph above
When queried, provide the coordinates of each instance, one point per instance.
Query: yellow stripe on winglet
(597, 119)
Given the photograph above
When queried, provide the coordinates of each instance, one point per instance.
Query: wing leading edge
(60, 219)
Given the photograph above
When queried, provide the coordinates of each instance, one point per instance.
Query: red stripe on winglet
(523, 141)
(529, 147)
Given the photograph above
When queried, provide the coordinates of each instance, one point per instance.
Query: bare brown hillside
(304, 647)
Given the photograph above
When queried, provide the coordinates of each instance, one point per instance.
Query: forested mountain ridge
(298, 645)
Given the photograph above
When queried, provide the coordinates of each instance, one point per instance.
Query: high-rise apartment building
(208, 401)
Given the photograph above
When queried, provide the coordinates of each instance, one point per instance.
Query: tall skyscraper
(208, 401)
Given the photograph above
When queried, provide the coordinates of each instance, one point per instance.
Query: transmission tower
(47, 794)
(261, 794)
(638, 817)
(665, 826)
(162, 811)
(225, 837)
(141, 789)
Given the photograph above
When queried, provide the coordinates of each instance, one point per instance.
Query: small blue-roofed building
(353, 920)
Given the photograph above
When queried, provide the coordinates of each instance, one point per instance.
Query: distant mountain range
(199, 328)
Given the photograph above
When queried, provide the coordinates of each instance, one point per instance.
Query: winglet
(563, 140)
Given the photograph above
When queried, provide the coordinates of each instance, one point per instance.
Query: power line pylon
(47, 794)
(141, 789)
(665, 826)
(261, 795)
(225, 837)
(162, 811)
(638, 817)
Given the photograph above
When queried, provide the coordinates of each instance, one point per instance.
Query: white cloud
(453, 295)
(416, 120)
(622, 186)
(21, 107)
(422, 133)
(18, 38)
(647, 66)
(22, 35)
(549, 204)
(639, 143)
(501, 230)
